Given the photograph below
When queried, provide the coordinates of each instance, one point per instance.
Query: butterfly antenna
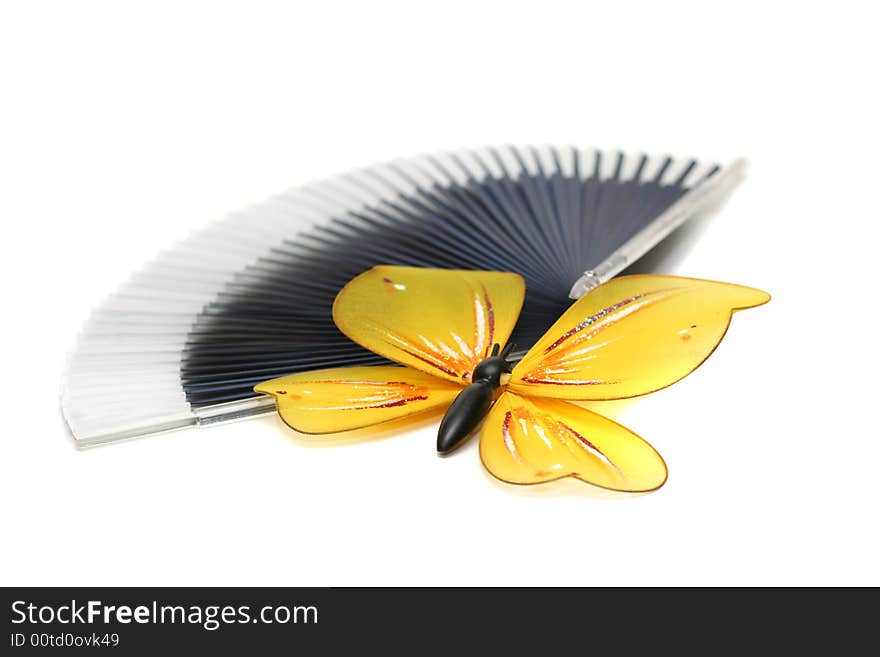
(508, 349)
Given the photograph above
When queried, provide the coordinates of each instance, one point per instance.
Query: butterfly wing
(530, 441)
(630, 336)
(442, 322)
(327, 401)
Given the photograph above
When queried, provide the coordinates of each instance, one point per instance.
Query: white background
(125, 125)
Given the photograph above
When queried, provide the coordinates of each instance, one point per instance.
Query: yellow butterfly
(627, 337)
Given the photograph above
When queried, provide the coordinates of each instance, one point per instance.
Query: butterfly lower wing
(442, 322)
(530, 441)
(630, 336)
(340, 399)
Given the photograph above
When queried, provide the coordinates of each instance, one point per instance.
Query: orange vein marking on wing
(568, 359)
(546, 428)
(606, 317)
(429, 354)
(427, 360)
(581, 382)
(379, 394)
(589, 446)
(509, 441)
(484, 324)
(458, 358)
(577, 328)
(362, 383)
(396, 402)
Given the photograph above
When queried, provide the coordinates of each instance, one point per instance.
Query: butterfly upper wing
(327, 401)
(442, 322)
(630, 336)
(529, 441)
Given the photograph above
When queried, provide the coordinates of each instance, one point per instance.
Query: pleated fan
(249, 297)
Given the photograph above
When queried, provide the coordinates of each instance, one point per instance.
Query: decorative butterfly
(449, 329)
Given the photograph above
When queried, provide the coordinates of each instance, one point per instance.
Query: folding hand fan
(249, 297)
